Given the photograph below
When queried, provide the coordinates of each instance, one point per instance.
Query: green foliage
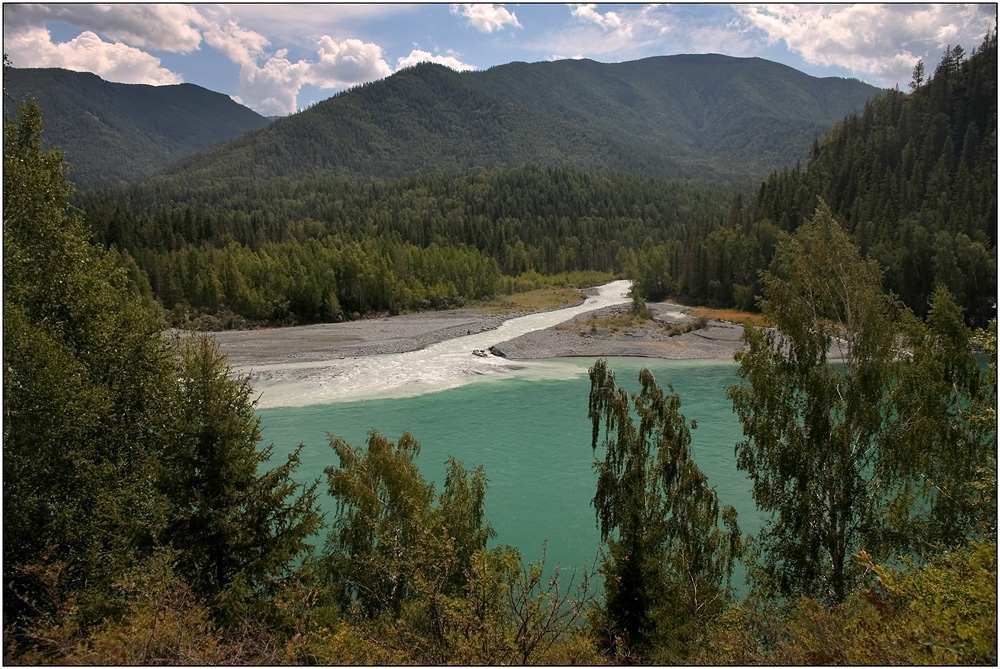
(942, 613)
(813, 431)
(388, 536)
(86, 394)
(639, 308)
(112, 133)
(164, 623)
(941, 454)
(668, 559)
(671, 117)
(412, 573)
(322, 250)
(710, 264)
(913, 179)
(236, 531)
(948, 608)
(857, 438)
(112, 447)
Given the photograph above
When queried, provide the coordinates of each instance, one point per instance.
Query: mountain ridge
(698, 116)
(111, 132)
(703, 117)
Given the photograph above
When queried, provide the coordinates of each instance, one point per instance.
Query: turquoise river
(527, 425)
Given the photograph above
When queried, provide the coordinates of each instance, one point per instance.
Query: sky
(280, 58)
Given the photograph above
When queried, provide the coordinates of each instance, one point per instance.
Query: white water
(447, 364)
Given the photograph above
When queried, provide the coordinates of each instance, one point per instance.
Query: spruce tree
(237, 530)
(86, 397)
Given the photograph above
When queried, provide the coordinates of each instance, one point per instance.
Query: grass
(730, 315)
(552, 297)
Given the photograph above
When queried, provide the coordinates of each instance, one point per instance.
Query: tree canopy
(847, 423)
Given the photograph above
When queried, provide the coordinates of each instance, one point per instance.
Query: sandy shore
(410, 332)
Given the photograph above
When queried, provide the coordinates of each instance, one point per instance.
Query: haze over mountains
(706, 117)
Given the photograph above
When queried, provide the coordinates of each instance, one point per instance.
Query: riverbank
(354, 339)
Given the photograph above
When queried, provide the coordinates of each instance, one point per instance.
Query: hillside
(111, 132)
(914, 179)
(911, 176)
(705, 117)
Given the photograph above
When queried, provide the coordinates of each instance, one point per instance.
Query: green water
(532, 437)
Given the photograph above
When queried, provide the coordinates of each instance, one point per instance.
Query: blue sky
(278, 58)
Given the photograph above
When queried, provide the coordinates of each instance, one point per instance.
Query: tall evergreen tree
(86, 395)
(236, 531)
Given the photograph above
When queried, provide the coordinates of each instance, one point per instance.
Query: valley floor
(606, 332)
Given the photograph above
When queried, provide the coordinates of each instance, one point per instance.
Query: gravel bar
(411, 332)
(370, 336)
(718, 340)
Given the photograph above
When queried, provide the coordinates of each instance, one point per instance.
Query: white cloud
(418, 56)
(33, 47)
(160, 27)
(631, 32)
(303, 24)
(272, 90)
(486, 18)
(268, 82)
(349, 62)
(238, 44)
(878, 42)
(608, 20)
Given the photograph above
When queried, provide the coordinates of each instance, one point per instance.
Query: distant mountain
(706, 117)
(110, 133)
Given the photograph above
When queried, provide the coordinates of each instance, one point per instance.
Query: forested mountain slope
(912, 177)
(304, 250)
(110, 132)
(914, 180)
(704, 117)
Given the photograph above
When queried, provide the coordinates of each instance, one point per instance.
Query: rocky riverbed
(354, 339)
(670, 334)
